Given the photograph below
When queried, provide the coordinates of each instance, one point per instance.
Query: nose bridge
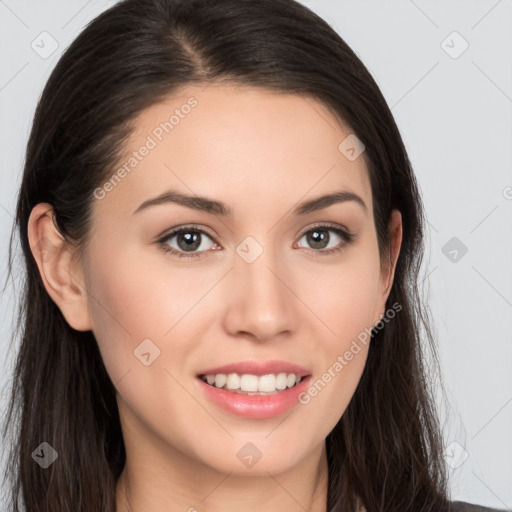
(261, 302)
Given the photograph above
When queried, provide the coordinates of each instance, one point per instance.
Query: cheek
(333, 385)
(133, 309)
(346, 305)
(129, 302)
(135, 296)
(343, 295)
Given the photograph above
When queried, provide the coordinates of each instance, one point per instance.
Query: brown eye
(319, 239)
(188, 242)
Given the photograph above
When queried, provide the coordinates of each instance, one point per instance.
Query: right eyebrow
(196, 202)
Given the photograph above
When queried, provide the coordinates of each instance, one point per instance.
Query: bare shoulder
(462, 506)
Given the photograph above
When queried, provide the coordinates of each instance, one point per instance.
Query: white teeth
(249, 382)
(252, 384)
(233, 381)
(282, 380)
(267, 383)
(220, 380)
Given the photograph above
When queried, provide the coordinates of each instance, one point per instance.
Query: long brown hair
(386, 450)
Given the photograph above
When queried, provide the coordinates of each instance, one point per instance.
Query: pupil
(192, 241)
(317, 238)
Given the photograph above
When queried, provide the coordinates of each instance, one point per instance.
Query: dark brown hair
(386, 450)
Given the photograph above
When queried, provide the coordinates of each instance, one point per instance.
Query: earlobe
(62, 279)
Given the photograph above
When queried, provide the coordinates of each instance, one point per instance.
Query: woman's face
(254, 283)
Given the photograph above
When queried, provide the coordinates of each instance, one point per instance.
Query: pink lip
(258, 368)
(255, 406)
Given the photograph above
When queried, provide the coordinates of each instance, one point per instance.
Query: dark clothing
(462, 506)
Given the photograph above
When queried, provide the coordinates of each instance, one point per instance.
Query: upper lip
(258, 368)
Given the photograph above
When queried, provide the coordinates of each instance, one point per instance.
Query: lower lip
(255, 406)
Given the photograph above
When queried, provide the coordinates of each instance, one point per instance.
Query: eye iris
(192, 240)
(318, 236)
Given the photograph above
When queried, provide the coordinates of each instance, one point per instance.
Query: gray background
(454, 110)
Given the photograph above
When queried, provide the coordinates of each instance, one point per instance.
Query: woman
(222, 233)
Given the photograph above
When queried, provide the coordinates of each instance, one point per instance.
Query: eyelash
(345, 235)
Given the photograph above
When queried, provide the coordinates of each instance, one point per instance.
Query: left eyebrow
(319, 203)
(218, 208)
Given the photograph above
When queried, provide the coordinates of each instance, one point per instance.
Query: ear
(62, 278)
(388, 267)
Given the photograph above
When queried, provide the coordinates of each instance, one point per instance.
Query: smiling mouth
(248, 384)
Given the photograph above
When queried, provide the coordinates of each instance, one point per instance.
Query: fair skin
(261, 154)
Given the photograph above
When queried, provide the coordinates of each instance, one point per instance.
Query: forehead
(248, 147)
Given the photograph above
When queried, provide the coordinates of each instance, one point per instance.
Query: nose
(260, 300)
